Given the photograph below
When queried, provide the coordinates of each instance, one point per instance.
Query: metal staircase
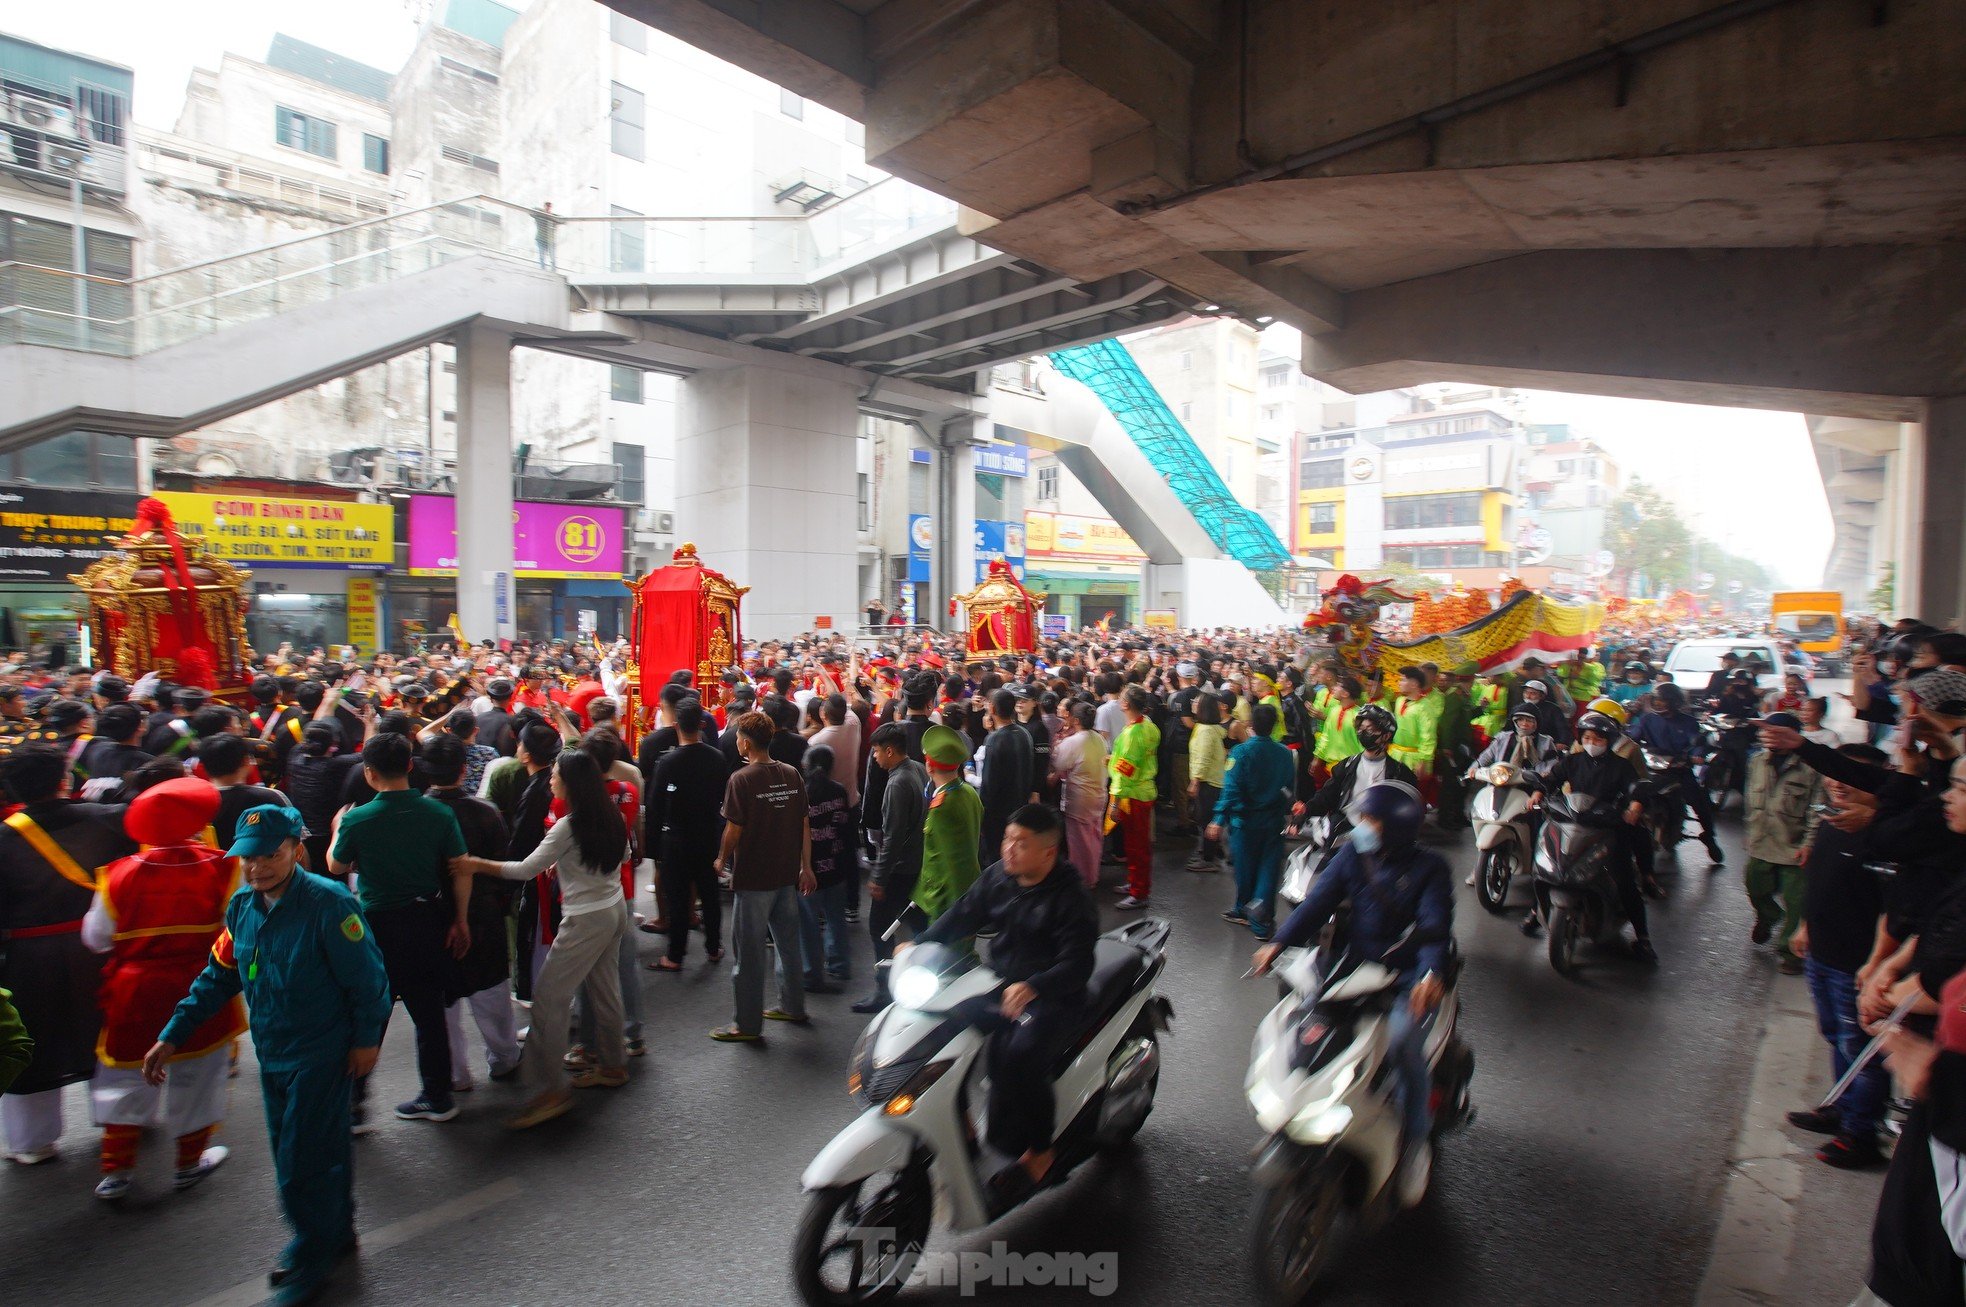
(1108, 369)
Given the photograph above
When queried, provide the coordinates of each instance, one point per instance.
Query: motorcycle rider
(1740, 697)
(1730, 662)
(1402, 917)
(1623, 746)
(1676, 733)
(1046, 924)
(1609, 782)
(1636, 685)
(1552, 719)
(1352, 777)
(1523, 746)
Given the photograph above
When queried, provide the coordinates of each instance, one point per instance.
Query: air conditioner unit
(64, 161)
(651, 519)
(43, 115)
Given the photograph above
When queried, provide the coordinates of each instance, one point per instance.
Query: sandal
(601, 1077)
(664, 964)
(715, 955)
(656, 927)
(541, 1110)
(780, 1014)
(732, 1035)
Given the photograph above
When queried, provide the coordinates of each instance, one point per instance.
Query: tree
(1654, 543)
(1884, 595)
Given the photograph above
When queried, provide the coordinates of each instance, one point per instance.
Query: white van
(1692, 663)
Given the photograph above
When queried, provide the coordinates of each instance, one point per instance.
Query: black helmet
(1398, 809)
(1637, 668)
(1741, 674)
(1671, 697)
(1374, 726)
(1526, 710)
(1597, 721)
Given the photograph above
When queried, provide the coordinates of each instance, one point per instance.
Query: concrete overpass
(1756, 202)
(783, 331)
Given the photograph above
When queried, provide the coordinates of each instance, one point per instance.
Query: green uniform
(16, 1049)
(1277, 731)
(315, 989)
(950, 831)
(1582, 679)
(1491, 706)
(1418, 737)
(1336, 740)
(1136, 761)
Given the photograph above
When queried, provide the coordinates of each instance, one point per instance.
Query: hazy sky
(1746, 476)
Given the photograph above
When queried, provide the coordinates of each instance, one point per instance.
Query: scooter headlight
(915, 986)
(1326, 1125)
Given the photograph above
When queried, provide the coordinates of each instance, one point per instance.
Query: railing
(53, 306)
(195, 163)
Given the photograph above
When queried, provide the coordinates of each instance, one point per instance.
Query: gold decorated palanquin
(1001, 615)
(163, 604)
(686, 618)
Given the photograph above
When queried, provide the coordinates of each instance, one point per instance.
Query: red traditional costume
(158, 914)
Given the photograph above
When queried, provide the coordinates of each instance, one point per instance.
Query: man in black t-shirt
(227, 760)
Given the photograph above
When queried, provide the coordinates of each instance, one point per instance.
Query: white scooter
(1505, 832)
(917, 1152)
(1321, 838)
(1324, 1093)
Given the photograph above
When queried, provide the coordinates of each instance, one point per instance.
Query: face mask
(1366, 838)
(1594, 750)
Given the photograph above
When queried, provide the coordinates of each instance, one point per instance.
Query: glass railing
(52, 306)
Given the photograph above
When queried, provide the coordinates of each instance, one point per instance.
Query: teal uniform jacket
(1257, 784)
(315, 990)
(309, 968)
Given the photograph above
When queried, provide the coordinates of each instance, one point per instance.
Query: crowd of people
(464, 829)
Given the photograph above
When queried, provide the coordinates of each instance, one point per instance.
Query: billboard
(566, 542)
(271, 531)
(46, 534)
(1066, 535)
(1000, 540)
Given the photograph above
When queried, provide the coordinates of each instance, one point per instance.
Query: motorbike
(917, 1150)
(1324, 1093)
(1505, 832)
(1665, 804)
(1575, 895)
(1320, 838)
(1728, 742)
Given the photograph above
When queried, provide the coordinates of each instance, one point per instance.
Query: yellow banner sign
(1071, 536)
(363, 593)
(265, 531)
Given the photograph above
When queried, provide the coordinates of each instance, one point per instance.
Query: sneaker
(1850, 1153)
(1817, 1121)
(1714, 854)
(638, 1048)
(1762, 932)
(1130, 904)
(358, 1121)
(422, 1109)
(871, 1003)
(541, 1110)
(34, 1156)
(113, 1186)
(1235, 918)
(1415, 1171)
(1642, 950)
(853, 916)
(601, 1077)
(208, 1161)
(1532, 925)
(577, 1059)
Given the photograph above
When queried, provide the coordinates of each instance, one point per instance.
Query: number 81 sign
(581, 539)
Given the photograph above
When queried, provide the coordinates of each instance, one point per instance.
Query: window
(1048, 483)
(626, 117)
(104, 111)
(865, 496)
(1323, 474)
(1187, 360)
(1276, 377)
(75, 459)
(298, 131)
(1437, 555)
(1322, 519)
(1419, 512)
(625, 31)
(791, 105)
(478, 161)
(1187, 412)
(375, 153)
(624, 384)
(626, 241)
(1271, 412)
(466, 70)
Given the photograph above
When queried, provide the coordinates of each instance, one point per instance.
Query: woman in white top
(585, 848)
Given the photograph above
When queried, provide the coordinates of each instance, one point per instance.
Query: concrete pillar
(765, 489)
(486, 604)
(1932, 572)
(955, 517)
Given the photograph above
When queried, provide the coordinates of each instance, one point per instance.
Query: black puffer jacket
(1045, 933)
(314, 782)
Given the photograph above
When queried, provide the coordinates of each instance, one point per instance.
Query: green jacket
(1582, 679)
(951, 829)
(1456, 727)
(1336, 740)
(1491, 709)
(1135, 762)
(16, 1049)
(1207, 754)
(1418, 737)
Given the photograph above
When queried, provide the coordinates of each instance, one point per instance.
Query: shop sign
(46, 534)
(565, 542)
(823, 622)
(363, 592)
(1056, 624)
(921, 539)
(999, 541)
(1070, 536)
(1009, 457)
(270, 531)
(1158, 619)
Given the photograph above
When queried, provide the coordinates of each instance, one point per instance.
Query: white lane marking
(463, 1207)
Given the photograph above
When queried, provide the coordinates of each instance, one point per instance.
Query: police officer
(951, 827)
(296, 945)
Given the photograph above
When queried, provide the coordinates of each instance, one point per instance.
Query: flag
(457, 629)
